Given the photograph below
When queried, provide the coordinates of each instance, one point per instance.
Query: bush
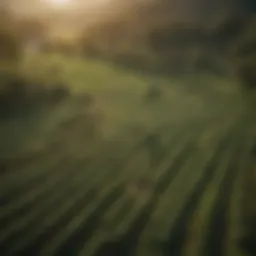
(87, 46)
(245, 53)
(58, 93)
(64, 47)
(10, 46)
(246, 72)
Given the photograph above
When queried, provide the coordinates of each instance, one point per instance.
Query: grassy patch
(79, 74)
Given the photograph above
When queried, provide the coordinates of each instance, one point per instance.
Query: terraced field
(114, 201)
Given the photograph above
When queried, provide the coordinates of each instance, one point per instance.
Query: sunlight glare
(59, 2)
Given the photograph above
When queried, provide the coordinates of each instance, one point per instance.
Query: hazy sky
(80, 12)
(44, 6)
(87, 6)
(71, 19)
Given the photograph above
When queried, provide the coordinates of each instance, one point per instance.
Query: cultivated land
(70, 188)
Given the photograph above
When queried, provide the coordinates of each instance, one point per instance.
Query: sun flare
(59, 2)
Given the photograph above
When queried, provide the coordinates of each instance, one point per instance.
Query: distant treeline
(145, 40)
(224, 47)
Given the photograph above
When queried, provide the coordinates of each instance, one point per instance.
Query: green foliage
(245, 44)
(246, 71)
(245, 53)
(79, 74)
(10, 46)
(10, 42)
(60, 46)
(87, 46)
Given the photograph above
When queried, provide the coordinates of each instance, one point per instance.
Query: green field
(66, 193)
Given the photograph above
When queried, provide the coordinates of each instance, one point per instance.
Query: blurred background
(128, 127)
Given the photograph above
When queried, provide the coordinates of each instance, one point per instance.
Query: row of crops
(115, 202)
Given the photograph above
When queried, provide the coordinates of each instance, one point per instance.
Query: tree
(244, 52)
(10, 46)
(32, 29)
(10, 43)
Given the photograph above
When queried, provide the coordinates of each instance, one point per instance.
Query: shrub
(246, 72)
(245, 53)
(10, 46)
